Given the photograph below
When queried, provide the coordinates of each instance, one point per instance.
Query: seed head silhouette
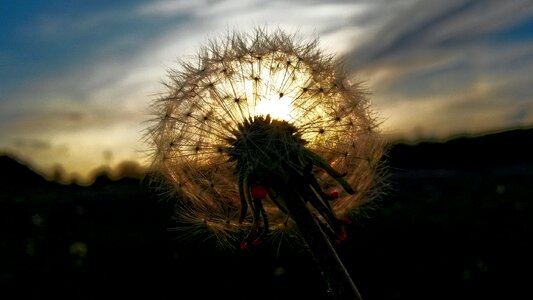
(255, 120)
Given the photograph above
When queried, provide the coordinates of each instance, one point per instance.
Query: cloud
(171, 8)
(209, 18)
(443, 68)
(31, 143)
(432, 25)
(436, 66)
(69, 22)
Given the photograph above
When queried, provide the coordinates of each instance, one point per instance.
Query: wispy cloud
(449, 67)
(432, 25)
(171, 8)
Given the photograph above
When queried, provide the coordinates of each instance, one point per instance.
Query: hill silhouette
(495, 149)
(501, 148)
(16, 173)
(455, 222)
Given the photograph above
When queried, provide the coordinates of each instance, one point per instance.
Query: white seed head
(241, 77)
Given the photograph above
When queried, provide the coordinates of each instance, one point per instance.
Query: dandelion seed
(258, 115)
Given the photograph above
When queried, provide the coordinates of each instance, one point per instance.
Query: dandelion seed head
(248, 78)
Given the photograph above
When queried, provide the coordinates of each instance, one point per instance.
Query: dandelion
(262, 136)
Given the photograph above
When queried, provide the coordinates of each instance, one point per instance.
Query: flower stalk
(319, 244)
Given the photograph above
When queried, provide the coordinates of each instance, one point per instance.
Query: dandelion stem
(333, 270)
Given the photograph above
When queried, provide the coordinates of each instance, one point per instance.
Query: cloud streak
(448, 67)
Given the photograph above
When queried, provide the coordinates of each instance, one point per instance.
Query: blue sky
(76, 77)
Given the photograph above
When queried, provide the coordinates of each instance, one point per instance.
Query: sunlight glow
(277, 108)
(270, 85)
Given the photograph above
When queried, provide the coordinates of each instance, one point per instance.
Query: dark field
(455, 223)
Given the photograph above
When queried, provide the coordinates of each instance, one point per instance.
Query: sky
(77, 77)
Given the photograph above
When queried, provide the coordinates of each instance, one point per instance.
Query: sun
(277, 108)
(271, 85)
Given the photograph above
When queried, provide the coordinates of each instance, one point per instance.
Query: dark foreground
(456, 223)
